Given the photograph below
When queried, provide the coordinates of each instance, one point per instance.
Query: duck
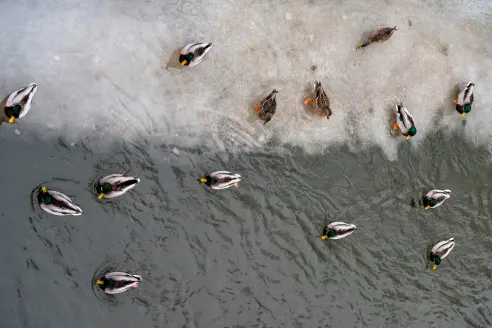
(115, 185)
(436, 197)
(465, 99)
(440, 251)
(18, 103)
(193, 53)
(221, 180)
(321, 101)
(267, 107)
(338, 230)
(118, 282)
(380, 36)
(405, 122)
(57, 203)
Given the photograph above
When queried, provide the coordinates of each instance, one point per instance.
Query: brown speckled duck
(267, 107)
(380, 36)
(321, 101)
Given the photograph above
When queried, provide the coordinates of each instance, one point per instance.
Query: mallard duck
(405, 122)
(268, 107)
(56, 203)
(193, 53)
(18, 103)
(115, 185)
(465, 99)
(380, 36)
(440, 251)
(118, 282)
(436, 197)
(321, 101)
(338, 230)
(221, 180)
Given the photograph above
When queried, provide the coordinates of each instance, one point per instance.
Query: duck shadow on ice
(173, 61)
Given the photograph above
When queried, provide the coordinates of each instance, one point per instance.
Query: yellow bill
(99, 282)
(408, 137)
(11, 119)
(203, 180)
(324, 237)
(463, 114)
(43, 189)
(434, 267)
(183, 62)
(101, 195)
(427, 207)
(307, 101)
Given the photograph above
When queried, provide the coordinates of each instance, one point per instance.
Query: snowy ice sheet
(103, 69)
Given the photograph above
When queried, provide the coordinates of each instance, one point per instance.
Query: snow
(101, 69)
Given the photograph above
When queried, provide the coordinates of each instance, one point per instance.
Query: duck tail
(363, 45)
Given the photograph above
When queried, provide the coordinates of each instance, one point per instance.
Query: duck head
(104, 189)
(328, 234)
(411, 132)
(437, 260)
(466, 109)
(186, 59)
(45, 197)
(430, 202)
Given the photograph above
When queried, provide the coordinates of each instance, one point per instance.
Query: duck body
(118, 282)
(321, 101)
(193, 53)
(268, 107)
(465, 99)
(57, 203)
(436, 197)
(17, 104)
(221, 180)
(380, 36)
(404, 122)
(338, 230)
(440, 251)
(115, 185)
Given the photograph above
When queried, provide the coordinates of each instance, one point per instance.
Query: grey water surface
(251, 256)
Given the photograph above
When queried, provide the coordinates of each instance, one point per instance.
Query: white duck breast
(124, 281)
(120, 184)
(443, 248)
(225, 179)
(404, 120)
(439, 195)
(22, 97)
(466, 96)
(60, 204)
(199, 50)
(341, 229)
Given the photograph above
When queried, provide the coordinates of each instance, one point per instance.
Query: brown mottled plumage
(321, 101)
(380, 36)
(268, 107)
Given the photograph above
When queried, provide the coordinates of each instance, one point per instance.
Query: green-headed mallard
(436, 197)
(56, 203)
(221, 180)
(118, 282)
(338, 230)
(18, 103)
(268, 107)
(193, 53)
(115, 185)
(321, 101)
(440, 251)
(465, 99)
(405, 122)
(380, 36)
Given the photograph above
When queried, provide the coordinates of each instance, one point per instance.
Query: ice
(101, 69)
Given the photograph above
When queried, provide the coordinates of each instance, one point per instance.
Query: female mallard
(436, 197)
(338, 230)
(221, 180)
(118, 282)
(321, 101)
(465, 99)
(115, 185)
(18, 103)
(56, 203)
(380, 36)
(268, 107)
(405, 122)
(440, 251)
(193, 53)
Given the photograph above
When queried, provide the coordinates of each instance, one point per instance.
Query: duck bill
(11, 119)
(324, 237)
(183, 62)
(43, 189)
(427, 207)
(203, 180)
(463, 114)
(99, 282)
(434, 267)
(408, 138)
(101, 195)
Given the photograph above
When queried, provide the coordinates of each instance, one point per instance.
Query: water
(252, 256)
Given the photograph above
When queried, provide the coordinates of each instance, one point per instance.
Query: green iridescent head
(331, 233)
(412, 131)
(432, 202)
(467, 108)
(106, 187)
(46, 198)
(17, 109)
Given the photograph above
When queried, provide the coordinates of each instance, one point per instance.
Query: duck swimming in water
(193, 53)
(465, 99)
(321, 101)
(118, 282)
(405, 122)
(268, 107)
(338, 230)
(436, 197)
(440, 251)
(18, 103)
(115, 185)
(380, 36)
(221, 180)
(56, 203)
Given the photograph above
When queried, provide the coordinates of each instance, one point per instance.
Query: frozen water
(101, 69)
